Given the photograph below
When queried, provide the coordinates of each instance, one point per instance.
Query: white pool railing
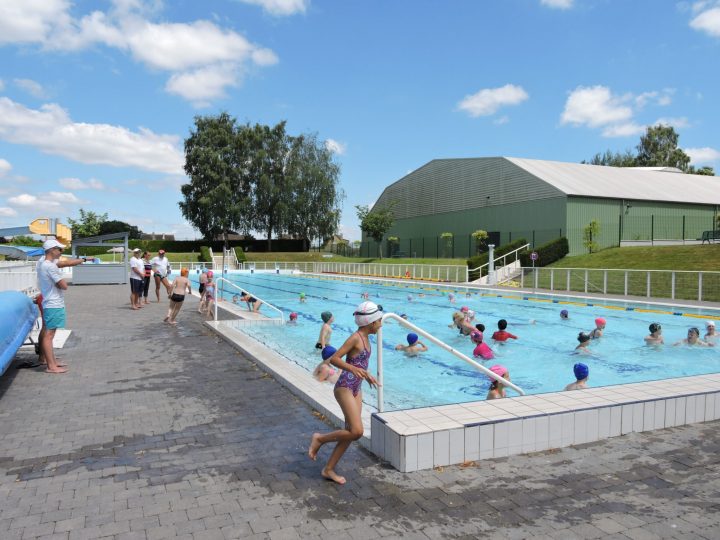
(218, 280)
(436, 341)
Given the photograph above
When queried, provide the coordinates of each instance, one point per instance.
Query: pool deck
(170, 432)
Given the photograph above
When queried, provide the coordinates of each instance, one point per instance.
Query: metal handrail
(498, 258)
(437, 342)
(282, 316)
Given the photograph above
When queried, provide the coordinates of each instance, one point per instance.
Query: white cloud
(56, 202)
(335, 147)
(489, 100)
(702, 155)
(280, 7)
(76, 183)
(31, 87)
(708, 18)
(202, 85)
(6, 211)
(678, 123)
(51, 130)
(190, 51)
(5, 167)
(595, 106)
(557, 4)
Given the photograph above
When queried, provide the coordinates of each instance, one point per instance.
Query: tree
(659, 148)
(613, 159)
(376, 223)
(590, 235)
(313, 210)
(480, 236)
(114, 226)
(22, 240)
(272, 151)
(216, 200)
(703, 171)
(88, 225)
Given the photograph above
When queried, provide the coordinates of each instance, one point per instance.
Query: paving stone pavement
(160, 432)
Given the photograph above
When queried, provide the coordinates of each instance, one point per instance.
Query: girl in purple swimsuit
(348, 394)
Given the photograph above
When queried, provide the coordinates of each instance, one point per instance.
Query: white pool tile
(690, 409)
(542, 433)
(409, 453)
(648, 415)
(638, 412)
(616, 420)
(529, 427)
(580, 427)
(457, 445)
(555, 430)
(717, 405)
(425, 451)
(592, 428)
(680, 406)
(659, 414)
(377, 441)
(627, 419)
(700, 408)
(441, 448)
(472, 443)
(392, 448)
(500, 440)
(487, 441)
(670, 412)
(568, 428)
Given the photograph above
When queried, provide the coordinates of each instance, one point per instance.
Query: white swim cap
(367, 313)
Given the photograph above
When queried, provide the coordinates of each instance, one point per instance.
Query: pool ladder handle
(437, 342)
(218, 280)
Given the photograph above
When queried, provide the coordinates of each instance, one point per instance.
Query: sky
(97, 97)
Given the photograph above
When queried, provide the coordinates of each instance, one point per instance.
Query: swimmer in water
(481, 349)
(451, 297)
(461, 324)
(293, 318)
(303, 299)
(597, 332)
(502, 335)
(582, 372)
(584, 341)
(564, 315)
(655, 337)
(710, 335)
(414, 346)
(325, 331)
(693, 339)
(497, 389)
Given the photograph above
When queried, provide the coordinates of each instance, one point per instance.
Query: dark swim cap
(412, 338)
(325, 316)
(581, 371)
(583, 337)
(654, 327)
(327, 352)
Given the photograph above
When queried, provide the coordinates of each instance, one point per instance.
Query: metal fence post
(567, 288)
(672, 285)
(586, 280)
(604, 281)
(648, 285)
(700, 286)
(626, 282)
(652, 230)
(552, 279)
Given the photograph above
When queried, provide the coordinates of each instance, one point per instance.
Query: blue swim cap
(327, 352)
(412, 338)
(581, 371)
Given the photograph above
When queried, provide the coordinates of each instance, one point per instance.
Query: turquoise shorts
(54, 318)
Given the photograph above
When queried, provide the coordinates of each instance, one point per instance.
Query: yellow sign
(46, 226)
(40, 226)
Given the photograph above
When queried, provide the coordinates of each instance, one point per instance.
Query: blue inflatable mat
(17, 316)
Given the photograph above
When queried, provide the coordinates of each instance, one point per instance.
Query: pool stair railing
(439, 343)
(503, 270)
(219, 281)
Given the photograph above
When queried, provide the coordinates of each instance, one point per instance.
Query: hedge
(240, 254)
(205, 254)
(478, 260)
(547, 253)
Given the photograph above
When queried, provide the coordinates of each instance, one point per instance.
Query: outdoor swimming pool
(540, 361)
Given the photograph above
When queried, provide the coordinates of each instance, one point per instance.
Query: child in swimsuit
(208, 300)
(179, 288)
(598, 330)
(348, 394)
(324, 372)
(583, 342)
(582, 372)
(502, 334)
(414, 347)
(325, 330)
(710, 335)
(655, 337)
(497, 389)
(482, 350)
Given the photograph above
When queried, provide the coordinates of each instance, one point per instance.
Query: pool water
(541, 360)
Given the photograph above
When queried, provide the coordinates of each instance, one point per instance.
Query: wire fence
(659, 284)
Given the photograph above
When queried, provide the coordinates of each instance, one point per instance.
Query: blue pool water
(540, 361)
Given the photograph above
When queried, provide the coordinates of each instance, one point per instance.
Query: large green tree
(114, 226)
(217, 198)
(88, 224)
(376, 222)
(314, 210)
(658, 147)
(272, 152)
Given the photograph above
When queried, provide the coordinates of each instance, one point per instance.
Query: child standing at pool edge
(348, 394)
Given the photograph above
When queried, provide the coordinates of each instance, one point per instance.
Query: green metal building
(540, 201)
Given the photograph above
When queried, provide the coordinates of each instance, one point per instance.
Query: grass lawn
(704, 257)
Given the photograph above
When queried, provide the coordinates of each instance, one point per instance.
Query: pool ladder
(436, 341)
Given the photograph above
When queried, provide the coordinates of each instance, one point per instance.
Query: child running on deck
(348, 394)
(208, 296)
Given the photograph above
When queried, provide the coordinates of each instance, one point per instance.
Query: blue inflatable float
(17, 316)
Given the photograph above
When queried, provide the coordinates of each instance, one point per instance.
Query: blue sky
(96, 97)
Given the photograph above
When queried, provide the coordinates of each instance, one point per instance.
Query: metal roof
(21, 252)
(623, 183)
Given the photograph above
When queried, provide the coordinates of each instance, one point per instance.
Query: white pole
(380, 403)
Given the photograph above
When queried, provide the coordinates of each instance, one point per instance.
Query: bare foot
(173, 322)
(146, 302)
(332, 475)
(166, 319)
(315, 445)
(56, 370)
(134, 308)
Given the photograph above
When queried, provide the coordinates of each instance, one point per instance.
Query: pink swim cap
(599, 321)
(464, 309)
(498, 370)
(210, 273)
(293, 316)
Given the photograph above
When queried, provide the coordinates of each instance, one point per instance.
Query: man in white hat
(137, 276)
(52, 287)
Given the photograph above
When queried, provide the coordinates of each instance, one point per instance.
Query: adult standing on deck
(137, 273)
(52, 288)
(147, 275)
(161, 270)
